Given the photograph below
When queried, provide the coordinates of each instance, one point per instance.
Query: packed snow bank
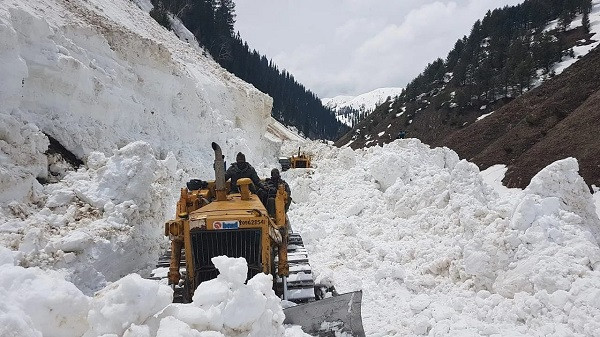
(100, 222)
(22, 159)
(97, 75)
(438, 251)
(37, 303)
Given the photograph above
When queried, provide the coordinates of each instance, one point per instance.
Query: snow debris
(436, 250)
(36, 302)
(111, 309)
(133, 306)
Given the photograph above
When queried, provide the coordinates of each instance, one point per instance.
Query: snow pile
(129, 301)
(227, 306)
(99, 223)
(34, 301)
(37, 303)
(438, 251)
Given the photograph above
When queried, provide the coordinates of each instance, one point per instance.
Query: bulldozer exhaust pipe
(219, 167)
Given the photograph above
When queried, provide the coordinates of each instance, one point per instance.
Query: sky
(350, 47)
(436, 246)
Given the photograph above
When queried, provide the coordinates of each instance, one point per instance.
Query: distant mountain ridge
(349, 107)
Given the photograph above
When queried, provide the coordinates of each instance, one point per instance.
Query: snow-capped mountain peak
(364, 103)
(367, 101)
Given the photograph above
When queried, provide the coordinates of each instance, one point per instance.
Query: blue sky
(349, 47)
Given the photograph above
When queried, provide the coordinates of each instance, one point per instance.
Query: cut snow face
(98, 75)
(438, 251)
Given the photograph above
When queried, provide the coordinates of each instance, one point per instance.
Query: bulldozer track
(300, 282)
(161, 271)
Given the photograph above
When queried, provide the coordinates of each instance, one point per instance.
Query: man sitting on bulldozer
(272, 184)
(242, 169)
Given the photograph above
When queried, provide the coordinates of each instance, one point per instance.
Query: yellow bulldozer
(211, 222)
(300, 160)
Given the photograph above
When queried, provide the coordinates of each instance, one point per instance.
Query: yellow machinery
(210, 222)
(301, 160)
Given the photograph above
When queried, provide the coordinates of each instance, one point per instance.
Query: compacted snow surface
(437, 247)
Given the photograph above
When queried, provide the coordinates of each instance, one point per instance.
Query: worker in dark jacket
(272, 184)
(242, 169)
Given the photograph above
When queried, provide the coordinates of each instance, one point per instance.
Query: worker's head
(240, 158)
(275, 174)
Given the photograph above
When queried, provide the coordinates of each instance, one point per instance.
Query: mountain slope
(367, 101)
(556, 120)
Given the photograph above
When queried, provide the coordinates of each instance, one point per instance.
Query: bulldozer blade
(330, 315)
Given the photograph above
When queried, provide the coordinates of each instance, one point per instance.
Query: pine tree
(585, 21)
(565, 19)
(225, 18)
(222, 48)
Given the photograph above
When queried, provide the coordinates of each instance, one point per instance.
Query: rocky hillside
(556, 120)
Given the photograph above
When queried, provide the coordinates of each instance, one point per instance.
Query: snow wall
(137, 105)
